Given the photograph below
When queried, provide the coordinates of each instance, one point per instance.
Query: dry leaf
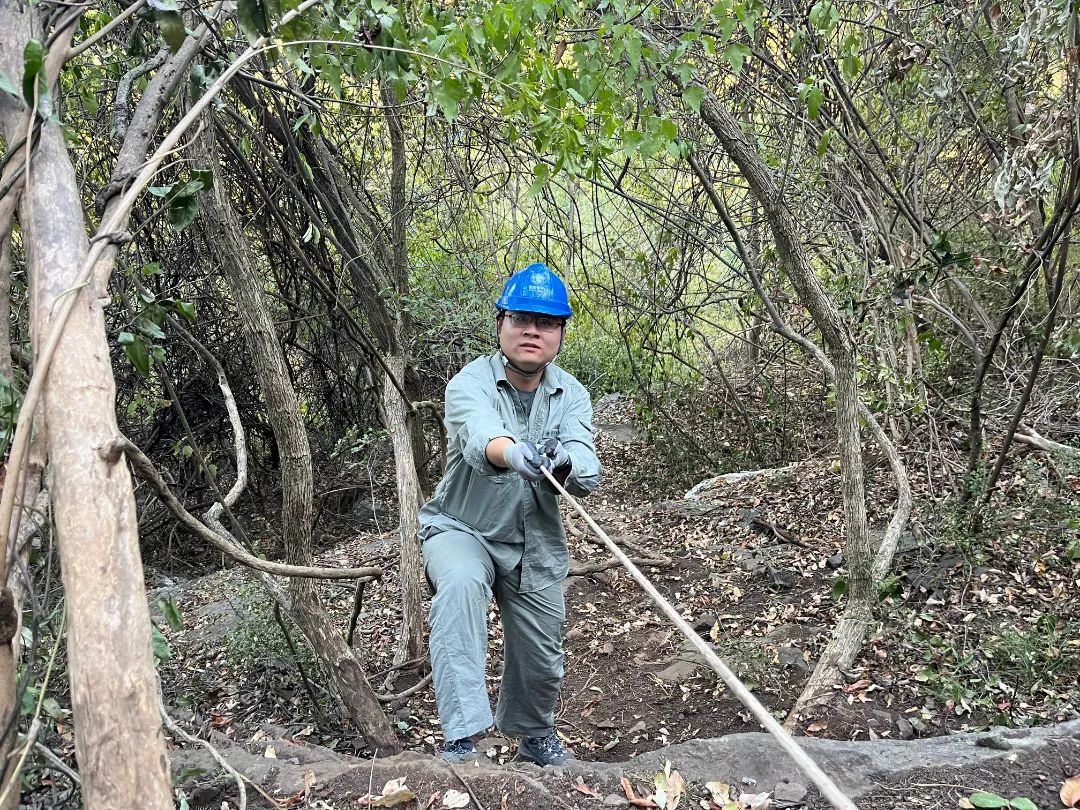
(1070, 791)
(676, 789)
(455, 798)
(817, 725)
(309, 781)
(270, 752)
(432, 799)
(583, 788)
(394, 792)
(720, 792)
(965, 803)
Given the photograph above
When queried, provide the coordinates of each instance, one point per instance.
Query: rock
(835, 561)
(705, 621)
(677, 672)
(792, 658)
(788, 793)
(615, 800)
(779, 578)
(500, 745)
(750, 564)
(787, 633)
(905, 729)
(853, 765)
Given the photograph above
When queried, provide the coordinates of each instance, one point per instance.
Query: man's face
(530, 340)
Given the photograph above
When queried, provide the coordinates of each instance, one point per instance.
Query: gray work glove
(554, 450)
(524, 459)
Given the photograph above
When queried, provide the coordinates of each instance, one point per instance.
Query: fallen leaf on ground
(817, 725)
(583, 788)
(455, 798)
(394, 792)
(720, 792)
(633, 797)
(1070, 791)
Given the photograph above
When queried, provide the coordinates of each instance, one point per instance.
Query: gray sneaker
(546, 750)
(457, 751)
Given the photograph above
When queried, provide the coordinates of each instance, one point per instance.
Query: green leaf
(160, 646)
(136, 351)
(160, 191)
(693, 96)
(824, 16)
(541, 173)
(183, 208)
(823, 142)
(811, 95)
(204, 178)
(735, 54)
(171, 25)
(448, 95)
(983, 799)
(171, 613)
(839, 588)
(151, 269)
(1020, 803)
(253, 18)
(186, 310)
(33, 62)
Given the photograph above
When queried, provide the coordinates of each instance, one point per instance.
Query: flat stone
(835, 561)
(792, 658)
(788, 793)
(705, 621)
(497, 743)
(615, 800)
(852, 764)
(677, 672)
(905, 729)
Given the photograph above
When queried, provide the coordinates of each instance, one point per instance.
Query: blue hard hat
(535, 289)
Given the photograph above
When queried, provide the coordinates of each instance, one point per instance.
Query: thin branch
(149, 473)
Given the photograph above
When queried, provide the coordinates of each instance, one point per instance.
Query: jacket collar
(550, 383)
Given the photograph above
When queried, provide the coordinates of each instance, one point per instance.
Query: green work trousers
(464, 576)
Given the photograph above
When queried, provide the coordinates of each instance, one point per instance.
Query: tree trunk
(227, 243)
(850, 633)
(118, 738)
(396, 413)
(401, 419)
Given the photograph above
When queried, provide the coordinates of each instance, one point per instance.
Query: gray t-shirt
(526, 399)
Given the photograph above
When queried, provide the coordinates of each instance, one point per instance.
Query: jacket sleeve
(472, 421)
(576, 435)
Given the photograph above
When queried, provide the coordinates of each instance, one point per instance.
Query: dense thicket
(840, 229)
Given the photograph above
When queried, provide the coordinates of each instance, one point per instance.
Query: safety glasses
(544, 323)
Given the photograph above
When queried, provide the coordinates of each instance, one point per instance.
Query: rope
(825, 785)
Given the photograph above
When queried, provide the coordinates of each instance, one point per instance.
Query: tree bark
(411, 568)
(118, 738)
(226, 242)
(400, 416)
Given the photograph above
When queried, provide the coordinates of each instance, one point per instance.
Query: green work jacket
(517, 521)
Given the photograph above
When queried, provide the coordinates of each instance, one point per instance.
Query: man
(493, 525)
